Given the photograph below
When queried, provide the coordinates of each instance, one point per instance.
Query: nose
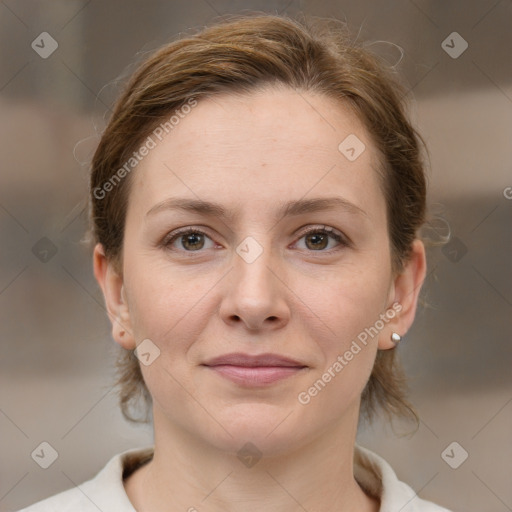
(254, 295)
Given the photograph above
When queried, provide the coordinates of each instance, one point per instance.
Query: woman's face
(250, 176)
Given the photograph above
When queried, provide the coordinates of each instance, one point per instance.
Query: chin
(262, 425)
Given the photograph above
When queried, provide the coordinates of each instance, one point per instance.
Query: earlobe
(406, 286)
(112, 286)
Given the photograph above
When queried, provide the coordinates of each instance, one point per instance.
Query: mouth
(253, 371)
(255, 375)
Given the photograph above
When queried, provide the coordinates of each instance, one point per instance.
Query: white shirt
(106, 491)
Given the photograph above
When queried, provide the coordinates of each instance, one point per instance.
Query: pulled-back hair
(240, 55)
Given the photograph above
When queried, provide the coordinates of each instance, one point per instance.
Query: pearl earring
(396, 338)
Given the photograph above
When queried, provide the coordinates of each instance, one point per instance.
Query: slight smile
(253, 371)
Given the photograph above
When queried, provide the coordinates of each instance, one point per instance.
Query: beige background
(56, 373)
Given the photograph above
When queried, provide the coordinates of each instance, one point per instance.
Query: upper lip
(241, 359)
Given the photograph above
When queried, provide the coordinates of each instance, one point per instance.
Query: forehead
(270, 144)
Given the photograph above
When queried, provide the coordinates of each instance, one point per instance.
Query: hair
(243, 54)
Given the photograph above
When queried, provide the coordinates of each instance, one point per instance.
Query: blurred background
(61, 66)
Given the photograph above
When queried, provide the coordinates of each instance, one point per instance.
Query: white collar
(106, 490)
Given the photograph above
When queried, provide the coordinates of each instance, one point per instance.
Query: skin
(304, 298)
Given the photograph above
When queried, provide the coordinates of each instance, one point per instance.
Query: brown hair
(238, 55)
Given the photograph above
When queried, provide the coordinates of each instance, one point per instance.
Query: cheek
(347, 301)
(172, 309)
(345, 329)
(347, 362)
(158, 294)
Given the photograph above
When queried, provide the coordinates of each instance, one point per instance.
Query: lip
(254, 370)
(251, 361)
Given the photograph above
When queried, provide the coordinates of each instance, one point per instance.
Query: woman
(256, 199)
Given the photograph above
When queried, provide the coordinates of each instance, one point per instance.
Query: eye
(192, 239)
(189, 240)
(317, 239)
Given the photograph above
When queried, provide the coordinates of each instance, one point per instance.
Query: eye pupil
(316, 237)
(192, 240)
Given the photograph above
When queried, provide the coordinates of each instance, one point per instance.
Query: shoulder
(377, 477)
(66, 501)
(104, 492)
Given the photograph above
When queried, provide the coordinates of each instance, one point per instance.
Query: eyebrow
(288, 209)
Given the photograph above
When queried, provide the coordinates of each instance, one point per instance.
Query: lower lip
(257, 375)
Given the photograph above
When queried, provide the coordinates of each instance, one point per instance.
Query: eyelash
(341, 239)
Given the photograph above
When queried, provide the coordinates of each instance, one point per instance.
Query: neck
(189, 475)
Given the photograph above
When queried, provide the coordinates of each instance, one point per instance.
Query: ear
(404, 293)
(111, 283)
